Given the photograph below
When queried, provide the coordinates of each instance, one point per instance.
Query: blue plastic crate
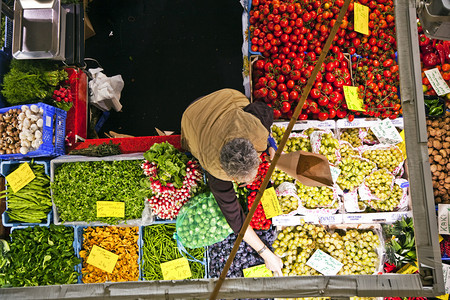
(53, 133)
(5, 169)
(74, 244)
(79, 240)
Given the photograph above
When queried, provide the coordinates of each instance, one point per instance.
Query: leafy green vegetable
(104, 149)
(170, 162)
(41, 256)
(401, 245)
(30, 81)
(78, 186)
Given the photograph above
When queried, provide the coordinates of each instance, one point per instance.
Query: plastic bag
(201, 223)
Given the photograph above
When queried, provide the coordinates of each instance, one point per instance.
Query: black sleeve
(225, 196)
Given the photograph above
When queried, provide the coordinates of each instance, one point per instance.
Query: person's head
(239, 160)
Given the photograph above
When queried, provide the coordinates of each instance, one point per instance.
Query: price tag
(402, 145)
(440, 238)
(437, 82)
(22, 176)
(444, 218)
(352, 99)
(361, 18)
(335, 173)
(408, 269)
(324, 263)
(270, 203)
(286, 220)
(110, 209)
(102, 259)
(443, 297)
(257, 271)
(386, 132)
(177, 269)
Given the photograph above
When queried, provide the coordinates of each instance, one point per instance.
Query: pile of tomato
(259, 220)
(290, 34)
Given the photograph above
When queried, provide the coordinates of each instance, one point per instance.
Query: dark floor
(168, 53)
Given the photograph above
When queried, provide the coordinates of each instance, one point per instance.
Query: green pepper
(436, 111)
(431, 102)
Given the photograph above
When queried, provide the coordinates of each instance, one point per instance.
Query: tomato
(323, 101)
(272, 84)
(286, 69)
(323, 116)
(263, 92)
(351, 118)
(284, 96)
(295, 75)
(303, 117)
(276, 114)
(329, 77)
(280, 79)
(331, 113)
(315, 93)
(272, 95)
(336, 97)
(281, 87)
(290, 84)
(341, 114)
(285, 107)
(293, 95)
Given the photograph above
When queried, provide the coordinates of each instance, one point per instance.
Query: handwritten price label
(257, 271)
(437, 82)
(361, 18)
(402, 145)
(270, 203)
(22, 176)
(386, 132)
(352, 99)
(335, 173)
(324, 263)
(102, 259)
(408, 269)
(110, 209)
(177, 269)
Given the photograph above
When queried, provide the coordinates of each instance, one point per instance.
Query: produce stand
(420, 203)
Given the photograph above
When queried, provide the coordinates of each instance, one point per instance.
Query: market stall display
(41, 256)
(158, 246)
(121, 241)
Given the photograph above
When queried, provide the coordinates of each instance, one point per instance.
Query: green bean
(159, 247)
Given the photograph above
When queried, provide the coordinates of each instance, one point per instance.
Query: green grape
(346, 150)
(351, 135)
(354, 248)
(316, 197)
(353, 172)
(370, 137)
(390, 203)
(288, 204)
(278, 177)
(380, 184)
(385, 158)
(328, 147)
(277, 133)
(297, 143)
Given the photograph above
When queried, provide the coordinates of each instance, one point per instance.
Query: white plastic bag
(105, 91)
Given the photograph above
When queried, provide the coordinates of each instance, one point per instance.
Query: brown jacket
(210, 122)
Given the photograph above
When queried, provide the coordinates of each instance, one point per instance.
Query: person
(227, 134)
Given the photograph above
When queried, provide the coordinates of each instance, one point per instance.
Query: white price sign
(335, 173)
(324, 263)
(437, 82)
(386, 132)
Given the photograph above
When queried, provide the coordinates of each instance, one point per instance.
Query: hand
(271, 153)
(273, 262)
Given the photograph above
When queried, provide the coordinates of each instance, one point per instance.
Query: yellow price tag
(361, 14)
(177, 269)
(110, 209)
(22, 176)
(102, 259)
(440, 238)
(408, 269)
(271, 204)
(352, 99)
(443, 297)
(402, 145)
(257, 271)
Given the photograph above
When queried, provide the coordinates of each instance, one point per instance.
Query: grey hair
(239, 160)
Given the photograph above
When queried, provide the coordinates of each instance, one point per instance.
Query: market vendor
(227, 134)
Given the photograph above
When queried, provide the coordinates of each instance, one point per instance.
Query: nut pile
(439, 152)
(9, 130)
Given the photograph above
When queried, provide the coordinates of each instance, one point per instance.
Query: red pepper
(440, 51)
(430, 60)
(446, 45)
(423, 40)
(426, 49)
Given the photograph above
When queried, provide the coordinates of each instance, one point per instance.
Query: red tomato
(285, 107)
(323, 116)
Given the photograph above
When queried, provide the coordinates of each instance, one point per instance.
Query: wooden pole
(281, 146)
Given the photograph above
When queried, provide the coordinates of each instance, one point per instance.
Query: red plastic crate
(76, 123)
(134, 144)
